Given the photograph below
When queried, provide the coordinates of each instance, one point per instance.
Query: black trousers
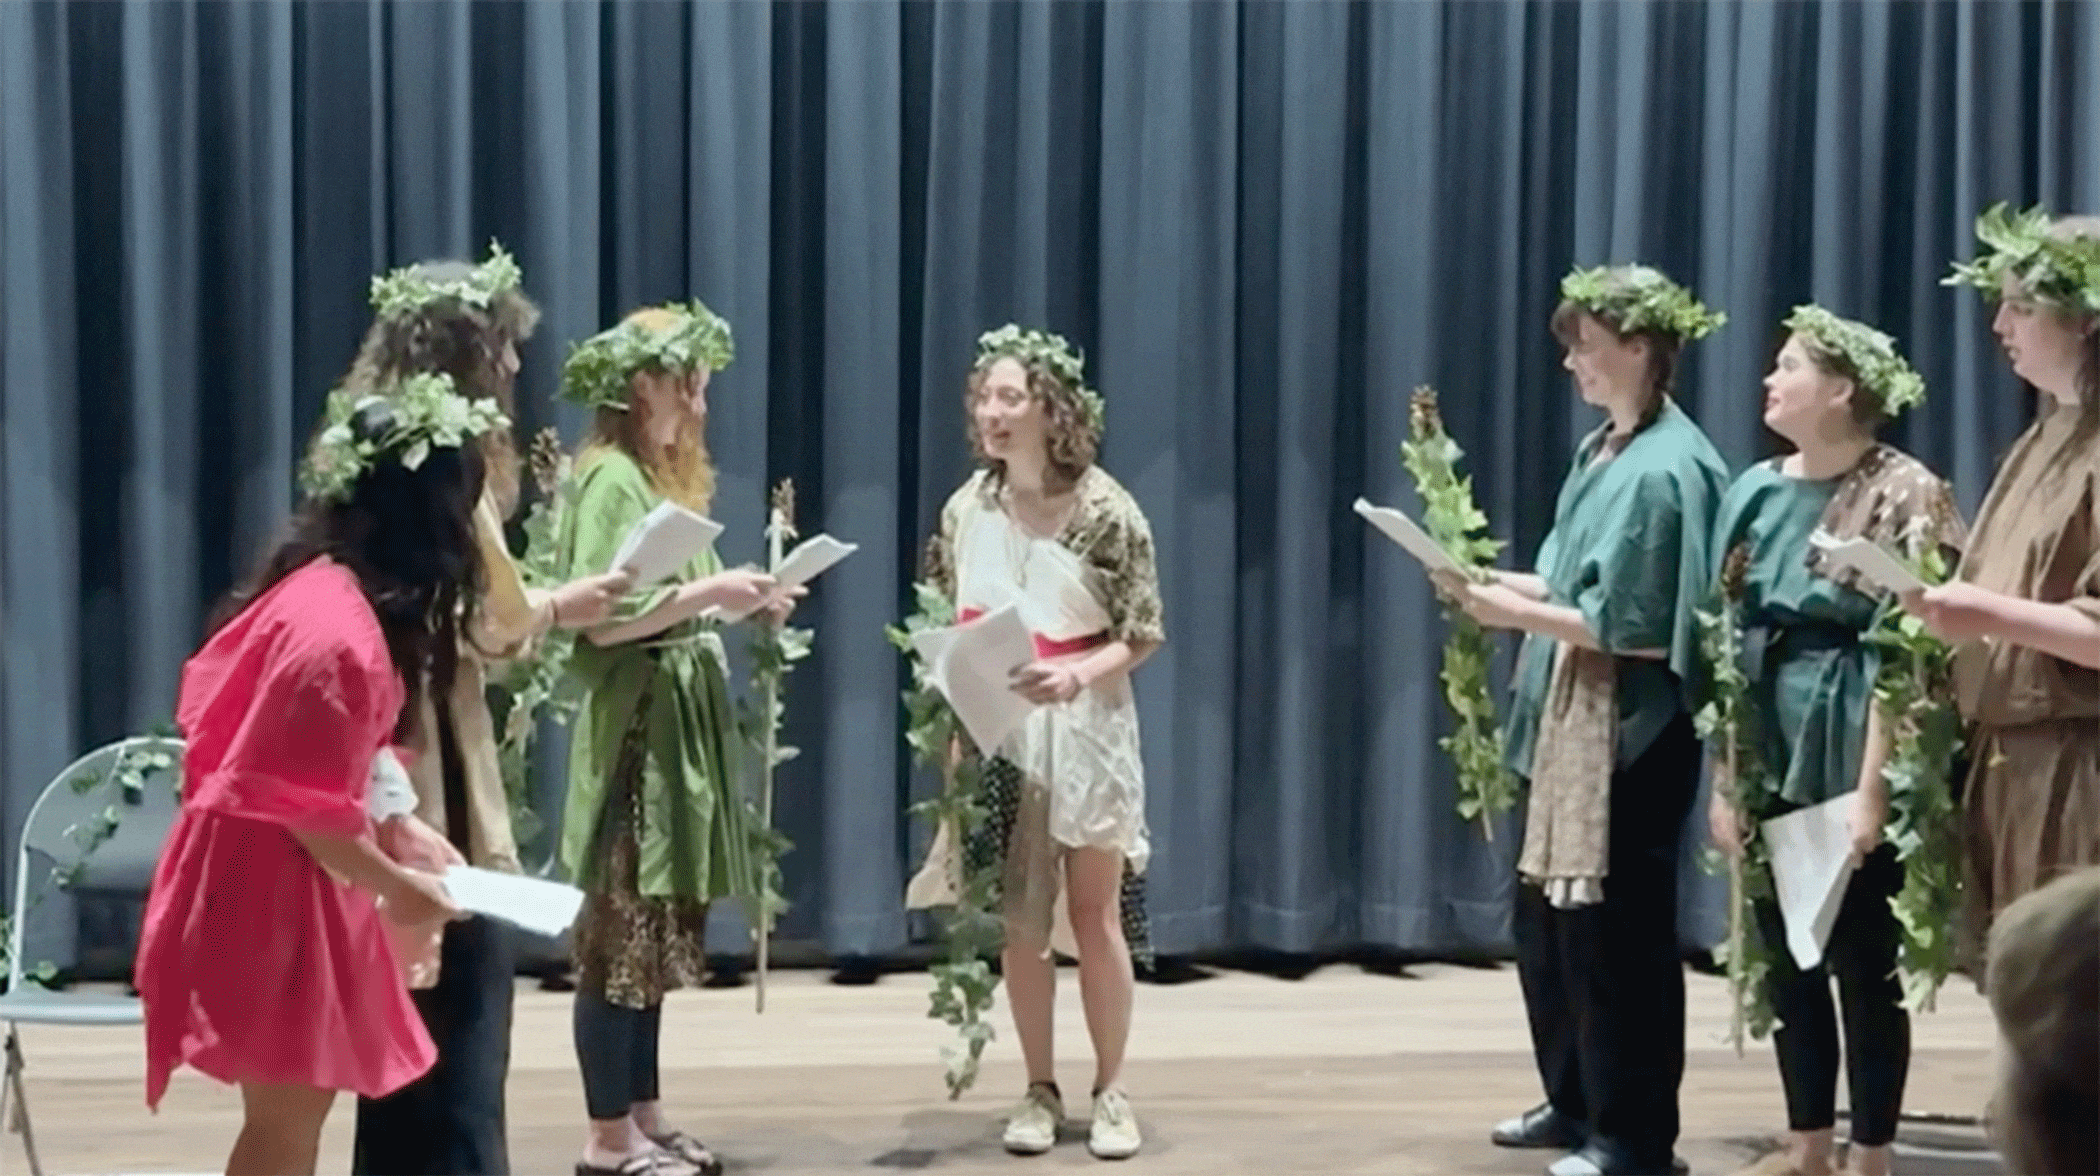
(1862, 956)
(450, 1122)
(1604, 984)
(616, 1048)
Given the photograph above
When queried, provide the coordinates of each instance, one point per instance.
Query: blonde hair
(683, 473)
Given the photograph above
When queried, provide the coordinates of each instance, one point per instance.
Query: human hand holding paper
(810, 559)
(535, 904)
(1395, 525)
(973, 665)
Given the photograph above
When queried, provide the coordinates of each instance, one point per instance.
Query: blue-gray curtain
(1265, 221)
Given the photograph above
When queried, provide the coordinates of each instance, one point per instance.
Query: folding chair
(98, 826)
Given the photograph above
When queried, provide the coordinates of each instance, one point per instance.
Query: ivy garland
(535, 685)
(1486, 788)
(1728, 723)
(1915, 693)
(971, 930)
(142, 760)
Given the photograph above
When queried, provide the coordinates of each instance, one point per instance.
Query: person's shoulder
(318, 624)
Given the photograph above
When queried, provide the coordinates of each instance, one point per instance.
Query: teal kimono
(1811, 675)
(1630, 549)
(654, 826)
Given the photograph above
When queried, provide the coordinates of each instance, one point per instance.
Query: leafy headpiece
(410, 290)
(1045, 352)
(598, 369)
(421, 414)
(1880, 369)
(2062, 271)
(1634, 298)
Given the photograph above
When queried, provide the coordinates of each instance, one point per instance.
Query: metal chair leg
(17, 1115)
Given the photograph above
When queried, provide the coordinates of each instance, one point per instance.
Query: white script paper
(812, 558)
(1400, 529)
(1868, 559)
(665, 540)
(972, 665)
(536, 904)
(1811, 866)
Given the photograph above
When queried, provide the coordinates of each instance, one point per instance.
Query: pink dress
(255, 964)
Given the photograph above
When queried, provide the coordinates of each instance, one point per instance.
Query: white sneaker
(1115, 1134)
(1032, 1128)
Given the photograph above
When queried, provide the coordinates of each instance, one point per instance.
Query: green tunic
(1630, 549)
(692, 834)
(1811, 675)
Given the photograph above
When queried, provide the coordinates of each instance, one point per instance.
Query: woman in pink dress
(264, 958)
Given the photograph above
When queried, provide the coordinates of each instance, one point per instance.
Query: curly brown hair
(463, 342)
(1071, 438)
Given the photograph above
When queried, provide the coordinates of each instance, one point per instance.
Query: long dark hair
(408, 536)
(461, 341)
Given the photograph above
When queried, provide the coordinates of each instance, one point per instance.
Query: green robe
(694, 840)
(1812, 677)
(1630, 549)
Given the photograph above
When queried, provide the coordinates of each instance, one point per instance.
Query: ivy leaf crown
(1871, 354)
(2061, 271)
(598, 369)
(408, 290)
(1634, 298)
(1048, 353)
(403, 424)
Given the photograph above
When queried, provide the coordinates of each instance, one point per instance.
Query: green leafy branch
(971, 930)
(775, 649)
(535, 685)
(1728, 723)
(1915, 695)
(1485, 787)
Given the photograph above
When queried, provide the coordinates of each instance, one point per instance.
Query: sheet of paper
(1811, 865)
(972, 665)
(1868, 559)
(810, 559)
(1396, 526)
(665, 540)
(536, 904)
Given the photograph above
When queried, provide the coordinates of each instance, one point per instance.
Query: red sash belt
(1046, 647)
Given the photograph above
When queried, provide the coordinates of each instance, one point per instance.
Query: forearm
(688, 601)
(357, 859)
(2058, 630)
(1874, 756)
(1567, 624)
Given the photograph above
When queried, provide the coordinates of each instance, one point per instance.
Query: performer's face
(668, 401)
(1802, 401)
(2041, 342)
(1607, 369)
(1009, 417)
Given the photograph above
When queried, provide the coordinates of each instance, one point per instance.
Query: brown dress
(2033, 796)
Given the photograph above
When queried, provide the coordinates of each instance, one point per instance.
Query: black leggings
(1862, 955)
(616, 1049)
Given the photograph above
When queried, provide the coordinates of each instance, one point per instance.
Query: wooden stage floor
(1342, 1072)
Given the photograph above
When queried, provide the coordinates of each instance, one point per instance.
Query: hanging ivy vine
(971, 930)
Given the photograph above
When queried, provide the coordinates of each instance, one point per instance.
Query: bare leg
(280, 1130)
(1031, 993)
(1094, 881)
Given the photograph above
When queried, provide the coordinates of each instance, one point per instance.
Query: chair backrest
(98, 826)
